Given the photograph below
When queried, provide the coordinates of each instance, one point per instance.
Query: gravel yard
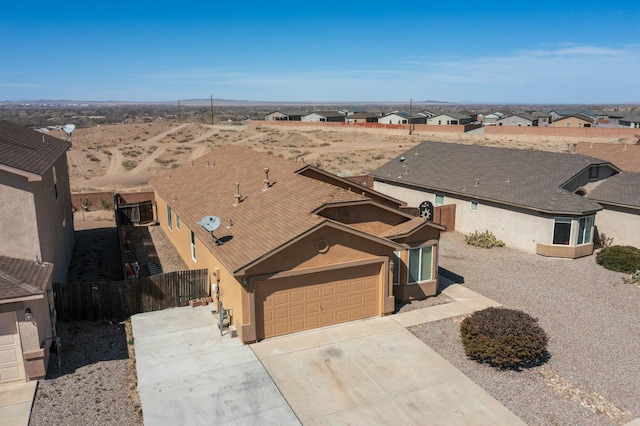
(590, 316)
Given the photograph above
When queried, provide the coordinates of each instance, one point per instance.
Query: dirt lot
(127, 156)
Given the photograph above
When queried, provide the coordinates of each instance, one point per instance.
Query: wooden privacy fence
(120, 299)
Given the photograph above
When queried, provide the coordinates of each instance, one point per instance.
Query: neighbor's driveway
(365, 372)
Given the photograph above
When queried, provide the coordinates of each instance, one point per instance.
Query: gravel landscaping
(590, 315)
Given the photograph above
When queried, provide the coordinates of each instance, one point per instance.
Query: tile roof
(264, 220)
(27, 150)
(622, 189)
(525, 178)
(23, 278)
(625, 157)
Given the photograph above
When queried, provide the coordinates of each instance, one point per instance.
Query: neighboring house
(296, 247)
(528, 199)
(592, 115)
(577, 120)
(26, 308)
(624, 156)
(544, 119)
(492, 118)
(520, 119)
(35, 198)
(619, 195)
(428, 113)
(632, 121)
(450, 118)
(394, 118)
(284, 116)
(363, 117)
(325, 117)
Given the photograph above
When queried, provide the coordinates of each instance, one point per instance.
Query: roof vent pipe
(238, 197)
(266, 182)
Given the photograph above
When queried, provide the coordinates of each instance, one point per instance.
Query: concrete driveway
(365, 372)
(374, 372)
(189, 375)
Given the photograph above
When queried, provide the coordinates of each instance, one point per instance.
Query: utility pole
(212, 110)
(410, 114)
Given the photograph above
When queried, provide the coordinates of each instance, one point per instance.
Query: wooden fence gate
(106, 300)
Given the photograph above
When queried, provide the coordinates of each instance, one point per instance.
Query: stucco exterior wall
(18, 226)
(517, 228)
(541, 130)
(621, 224)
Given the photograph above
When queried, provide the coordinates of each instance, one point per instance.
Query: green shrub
(485, 240)
(106, 204)
(620, 259)
(504, 338)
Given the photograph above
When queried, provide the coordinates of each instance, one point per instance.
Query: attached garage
(302, 302)
(11, 363)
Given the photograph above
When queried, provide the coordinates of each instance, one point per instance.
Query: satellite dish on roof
(210, 223)
(68, 129)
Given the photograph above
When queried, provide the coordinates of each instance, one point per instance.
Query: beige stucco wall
(35, 223)
(623, 225)
(517, 228)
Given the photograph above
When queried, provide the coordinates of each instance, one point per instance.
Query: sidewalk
(15, 403)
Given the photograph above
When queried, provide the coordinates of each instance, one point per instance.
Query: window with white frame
(193, 246)
(55, 181)
(585, 229)
(474, 206)
(420, 264)
(439, 200)
(562, 231)
(177, 222)
(169, 224)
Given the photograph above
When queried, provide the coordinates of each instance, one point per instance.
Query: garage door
(288, 305)
(11, 364)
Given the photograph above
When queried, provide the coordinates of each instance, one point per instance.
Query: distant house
(632, 121)
(294, 247)
(492, 118)
(26, 308)
(284, 116)
(325, 117)
(395, 118)
(363, 117)
(450, 118)
(577, 120)
(520, 119)
(529, 199)
(35, 198)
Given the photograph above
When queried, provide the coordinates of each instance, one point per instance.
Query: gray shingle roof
(529, 179)
(622, 189)
(23, 278)
(27, 150)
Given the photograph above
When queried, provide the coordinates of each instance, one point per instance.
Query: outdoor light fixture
(27, 314)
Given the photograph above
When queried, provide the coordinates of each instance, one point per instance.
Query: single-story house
(492, 118)
(450, 118)
(35, 198)
(284, 116)
(290, 247)
(577, 120)
(395, 118)
(532, 200)
(325, 117)
(631, 120)
(619, 195)
(363, 117)
(26, 311)
(520, 119)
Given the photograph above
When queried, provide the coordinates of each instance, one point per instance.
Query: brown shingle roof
(625, 157)
(407, 227)
(28, 151)
(622, 189)
(23, 278)
(264, 220)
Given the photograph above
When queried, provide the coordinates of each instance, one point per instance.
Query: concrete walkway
(16, 401)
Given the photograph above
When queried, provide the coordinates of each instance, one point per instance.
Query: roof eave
(31, 177)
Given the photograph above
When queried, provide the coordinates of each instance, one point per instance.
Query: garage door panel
(287, 305)
(11, 363)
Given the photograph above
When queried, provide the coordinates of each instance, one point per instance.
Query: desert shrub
(504, 338)
(485, 239)
(106, 204)
(620, 259)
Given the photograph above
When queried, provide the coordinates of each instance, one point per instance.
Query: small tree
(504, 338)
(106, 204)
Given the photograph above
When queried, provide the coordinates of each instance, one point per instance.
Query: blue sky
(354, 51)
